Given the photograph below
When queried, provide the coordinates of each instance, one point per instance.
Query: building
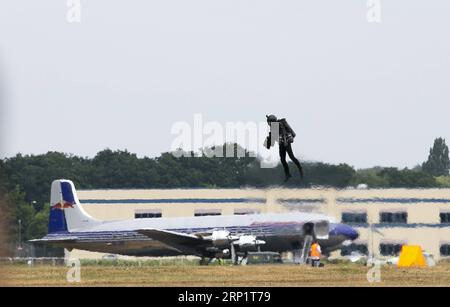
(385, 218)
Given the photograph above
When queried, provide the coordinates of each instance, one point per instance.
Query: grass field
(198, 276)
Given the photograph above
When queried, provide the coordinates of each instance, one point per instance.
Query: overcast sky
(362, 93)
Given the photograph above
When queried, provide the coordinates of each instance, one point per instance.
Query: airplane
(208, 237)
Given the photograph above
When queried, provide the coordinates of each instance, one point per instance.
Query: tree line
(25, 179)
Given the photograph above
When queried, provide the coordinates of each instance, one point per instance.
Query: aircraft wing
(184, 243)
(68, 239)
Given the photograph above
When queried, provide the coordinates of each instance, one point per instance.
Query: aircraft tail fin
(66, 213)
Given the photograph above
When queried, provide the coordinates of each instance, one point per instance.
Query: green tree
(23, 211)
(407, 178)
(4, 214)
(371, 177)
(443, 181)
(438, 163)
(35, 173)
(38, 227)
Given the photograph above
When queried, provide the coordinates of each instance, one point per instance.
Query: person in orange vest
(315, 254)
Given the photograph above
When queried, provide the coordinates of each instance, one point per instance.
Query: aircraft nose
(346, 231)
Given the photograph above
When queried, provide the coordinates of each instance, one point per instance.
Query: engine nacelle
(221, 237)
(248, 241)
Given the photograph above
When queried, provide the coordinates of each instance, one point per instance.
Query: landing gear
(234, 256)
(297, 256)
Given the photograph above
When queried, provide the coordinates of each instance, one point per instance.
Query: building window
(352, 217)
(445, 250)
(147, 214)
(207, 212)
(359, 248)
(246, 211)
(390, 249)
(445, 217)
(394, 217)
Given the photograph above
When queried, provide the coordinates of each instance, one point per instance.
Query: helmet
(271, 118)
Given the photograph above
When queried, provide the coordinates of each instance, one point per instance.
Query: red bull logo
(62, 205)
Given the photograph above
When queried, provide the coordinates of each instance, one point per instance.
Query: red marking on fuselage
(63, 205)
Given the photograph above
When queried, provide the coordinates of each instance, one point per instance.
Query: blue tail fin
(57, 221)
(66, 214)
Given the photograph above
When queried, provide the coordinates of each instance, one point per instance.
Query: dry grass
(198, 276)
